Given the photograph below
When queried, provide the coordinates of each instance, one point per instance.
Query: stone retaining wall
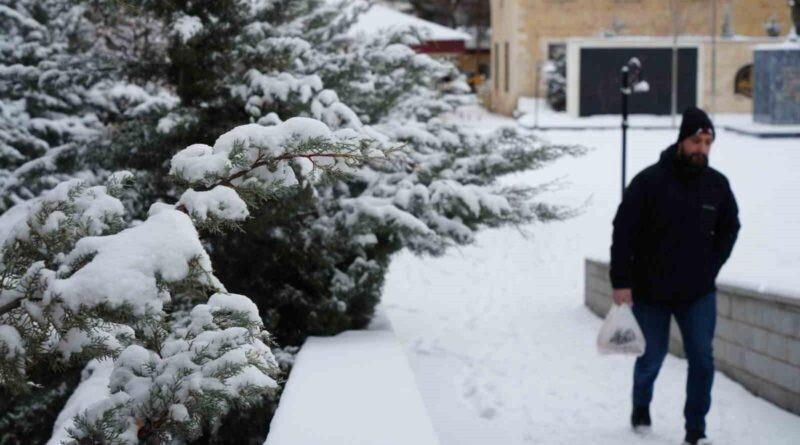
(757, 341)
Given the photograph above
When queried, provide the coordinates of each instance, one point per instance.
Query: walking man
(673, 231)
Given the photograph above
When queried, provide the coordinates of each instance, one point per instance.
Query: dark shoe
(696, 437)
(640, 419)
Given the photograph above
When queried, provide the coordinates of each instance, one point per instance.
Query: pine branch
(8, 307)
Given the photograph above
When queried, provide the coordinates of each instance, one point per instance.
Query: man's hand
(622, 296)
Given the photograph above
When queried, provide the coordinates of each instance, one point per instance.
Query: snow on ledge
(782, 46)
(355, 388)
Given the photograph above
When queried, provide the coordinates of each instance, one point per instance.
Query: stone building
(526, 32)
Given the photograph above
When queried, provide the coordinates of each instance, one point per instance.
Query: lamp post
(632, 82)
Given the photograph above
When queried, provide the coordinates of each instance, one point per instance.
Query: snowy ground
(500, 342)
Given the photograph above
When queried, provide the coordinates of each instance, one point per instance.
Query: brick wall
(757, 342)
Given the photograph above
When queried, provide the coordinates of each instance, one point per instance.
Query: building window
(744, 81)
(505, 68)
(496, 72)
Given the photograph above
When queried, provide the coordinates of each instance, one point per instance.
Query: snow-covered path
(503, 348)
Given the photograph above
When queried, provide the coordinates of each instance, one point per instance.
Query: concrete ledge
(355, 388)
(757, 341)
(790, 131)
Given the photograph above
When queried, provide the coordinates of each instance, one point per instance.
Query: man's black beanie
(695, 121)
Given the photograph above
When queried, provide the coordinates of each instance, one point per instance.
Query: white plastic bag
(620, 333)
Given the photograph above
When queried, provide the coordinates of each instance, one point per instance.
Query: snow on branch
(262, 90)
(219, 361)
(249, 163)
(133, 268)
(248, 151)
(442, 189)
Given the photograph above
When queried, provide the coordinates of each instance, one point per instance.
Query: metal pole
(625, 93)
(674, 87)
(713, 58)
(536, 96)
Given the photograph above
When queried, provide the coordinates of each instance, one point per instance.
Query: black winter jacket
(673, 232)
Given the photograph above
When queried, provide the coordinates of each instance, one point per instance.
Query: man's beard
(694, 161)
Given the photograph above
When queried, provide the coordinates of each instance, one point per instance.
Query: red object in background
(441, 46)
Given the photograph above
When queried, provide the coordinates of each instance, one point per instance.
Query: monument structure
(776, 70)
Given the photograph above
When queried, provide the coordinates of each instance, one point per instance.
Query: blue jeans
(697, 322)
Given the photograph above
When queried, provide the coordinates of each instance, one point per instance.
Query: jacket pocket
(708, 219)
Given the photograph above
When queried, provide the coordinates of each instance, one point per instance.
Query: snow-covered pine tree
(59, 88)
(268, 61)
(332, 252)
(323, 248)
(79, 283)
(45, 74)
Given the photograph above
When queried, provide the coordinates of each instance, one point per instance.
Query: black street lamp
(632, 82)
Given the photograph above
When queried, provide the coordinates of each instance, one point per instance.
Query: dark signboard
(600, 80)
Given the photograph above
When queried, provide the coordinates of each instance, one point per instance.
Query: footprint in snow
(481, 395)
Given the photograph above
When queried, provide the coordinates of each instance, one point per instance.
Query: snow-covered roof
(380, 18)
